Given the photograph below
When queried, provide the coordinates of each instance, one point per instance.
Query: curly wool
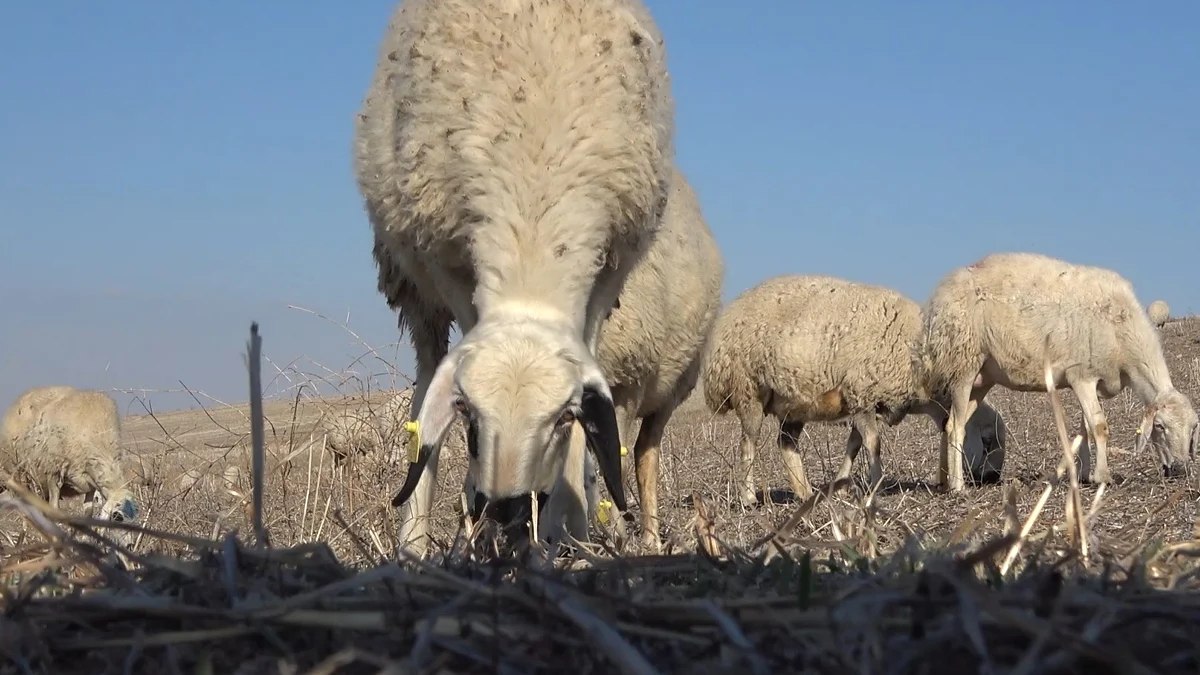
(473, 154)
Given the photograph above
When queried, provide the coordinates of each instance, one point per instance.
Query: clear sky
(173, 170)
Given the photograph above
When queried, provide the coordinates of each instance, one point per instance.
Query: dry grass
(903, 580)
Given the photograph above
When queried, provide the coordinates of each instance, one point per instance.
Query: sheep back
(28, 406)
(522, 144)
(815, 348)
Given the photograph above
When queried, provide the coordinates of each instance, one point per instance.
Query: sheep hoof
(651, 542)
(986, 478)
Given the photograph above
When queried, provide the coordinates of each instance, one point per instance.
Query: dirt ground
(192, 474)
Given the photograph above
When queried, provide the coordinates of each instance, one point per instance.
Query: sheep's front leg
(415, 513)
(627, 409)
(1085, 448)
(53, 492)
(430, 344)
(854, 443)
(1097, 427)
(962, 406)
(793, 462)
(751, 419)
(646, 454)
(873, 441)
(568, 506)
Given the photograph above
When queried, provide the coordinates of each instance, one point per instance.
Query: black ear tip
(415, 471)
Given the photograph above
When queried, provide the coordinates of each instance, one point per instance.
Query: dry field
(194, 470)
(193, 473)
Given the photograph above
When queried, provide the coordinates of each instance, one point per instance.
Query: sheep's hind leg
(1097, 425)
(789, 436)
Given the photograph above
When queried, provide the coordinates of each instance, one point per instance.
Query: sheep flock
(516, 165)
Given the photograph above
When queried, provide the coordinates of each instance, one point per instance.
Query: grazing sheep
(1159, 312)
(651, 344)
(348, 433)
(65, 440)
(818, 349)
(514, 163)
(1001, 320)
(362, 430)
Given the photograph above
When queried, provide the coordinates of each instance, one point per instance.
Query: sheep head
(1173, 428)
(119, 506)
(519, 387)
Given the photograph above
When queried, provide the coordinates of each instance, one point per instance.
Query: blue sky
(172, 171)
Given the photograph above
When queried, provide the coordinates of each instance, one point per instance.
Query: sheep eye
(460, 405)
(567, 417)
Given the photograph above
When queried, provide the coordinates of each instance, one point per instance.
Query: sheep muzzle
(1176, 469)
(513, 514)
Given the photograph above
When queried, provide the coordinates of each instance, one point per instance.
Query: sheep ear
(1147, 426)
(599, 422)
(427, 432)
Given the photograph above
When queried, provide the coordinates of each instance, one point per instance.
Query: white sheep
(514, 162)
(63, 440)
(818, 349)
(1001, 320)
(650, 345)
(1159, 312)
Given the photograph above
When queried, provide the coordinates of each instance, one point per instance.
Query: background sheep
(68, 441)
(817, 349)
(363, 429)
(1159, 312)
(1001, 319)
(650, 346)
(514, 162)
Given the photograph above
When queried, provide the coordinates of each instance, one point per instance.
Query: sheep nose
(1177, 469)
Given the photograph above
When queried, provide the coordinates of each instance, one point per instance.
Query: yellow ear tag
(602, 511)
(414, 440)
(624, 451)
